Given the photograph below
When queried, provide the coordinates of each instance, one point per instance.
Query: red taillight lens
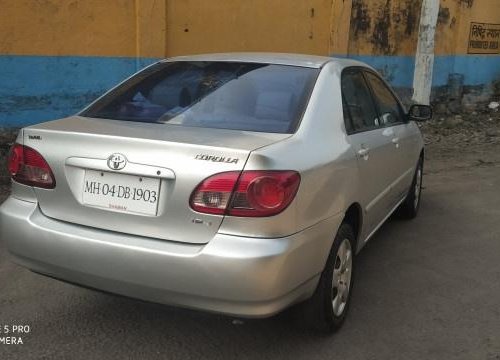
(27, 166)
(249, 194)
(264, 193)
(213, 194)
(15, 159)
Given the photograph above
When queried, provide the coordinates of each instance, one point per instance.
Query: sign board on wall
(484, 38)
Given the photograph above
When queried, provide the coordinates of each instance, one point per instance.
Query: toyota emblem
(117, 161)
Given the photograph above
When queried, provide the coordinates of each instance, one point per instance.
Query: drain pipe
(424, 57)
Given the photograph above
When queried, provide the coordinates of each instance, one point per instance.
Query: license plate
(120, 192)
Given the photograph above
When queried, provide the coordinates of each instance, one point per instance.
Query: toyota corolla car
(234, 183)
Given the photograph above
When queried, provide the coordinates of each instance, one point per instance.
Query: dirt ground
(462, 141)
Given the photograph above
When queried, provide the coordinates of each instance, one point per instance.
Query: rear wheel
(327, 308)
(409, 208)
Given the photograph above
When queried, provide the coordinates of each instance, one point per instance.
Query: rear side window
(358, 104)
(225, 95)
(389, 109)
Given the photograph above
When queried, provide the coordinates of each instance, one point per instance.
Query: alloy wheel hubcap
(341, 282)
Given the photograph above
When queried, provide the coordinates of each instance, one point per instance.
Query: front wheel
(327, 308)
(409, 208)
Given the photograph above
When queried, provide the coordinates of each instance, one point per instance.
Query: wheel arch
(354, 217)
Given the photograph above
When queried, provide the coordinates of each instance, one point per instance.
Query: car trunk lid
(170, 160)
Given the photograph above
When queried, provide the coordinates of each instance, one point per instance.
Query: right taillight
(254, 193)
(28, 167)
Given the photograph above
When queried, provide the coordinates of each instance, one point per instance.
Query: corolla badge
(117, 161)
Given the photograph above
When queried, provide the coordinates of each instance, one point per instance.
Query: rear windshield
(223, 95)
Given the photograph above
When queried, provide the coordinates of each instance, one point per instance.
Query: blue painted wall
(39, 88)
(398, 70)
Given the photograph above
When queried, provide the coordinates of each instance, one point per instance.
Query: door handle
(395, 141)
(363, 152)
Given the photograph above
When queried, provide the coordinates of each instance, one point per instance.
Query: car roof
(312, 61)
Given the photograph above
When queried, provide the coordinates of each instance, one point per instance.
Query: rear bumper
(249, 277)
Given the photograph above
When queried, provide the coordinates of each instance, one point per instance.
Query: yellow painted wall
(452, 33)
(390, 27)
(200, 26)
(58, 55)
(381, 27)
(339, 27)
(156, 28)
(83, 27)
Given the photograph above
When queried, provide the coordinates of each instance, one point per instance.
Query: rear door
(393, 117)
(373, 146)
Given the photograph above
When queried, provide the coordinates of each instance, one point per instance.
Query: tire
(326, 310)
(410, 206)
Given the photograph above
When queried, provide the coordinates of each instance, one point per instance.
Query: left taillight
(28, 167)
(251, 193)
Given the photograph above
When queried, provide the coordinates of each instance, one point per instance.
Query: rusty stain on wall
(443, 15)
(411, 14)
(388, 72)
(360, 18)
(467, 3)
(384, 27)
(380, 39)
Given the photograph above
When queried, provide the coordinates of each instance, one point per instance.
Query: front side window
(224, 95)
(358, 103)
(389, 109)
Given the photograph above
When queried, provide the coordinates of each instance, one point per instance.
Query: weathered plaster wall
(384, 34)
(200, 26)
(57, 55)
(83, 27)
(384, 27)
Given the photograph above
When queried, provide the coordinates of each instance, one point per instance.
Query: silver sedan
(233, 183)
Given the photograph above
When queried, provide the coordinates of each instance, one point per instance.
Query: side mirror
(420, 113)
